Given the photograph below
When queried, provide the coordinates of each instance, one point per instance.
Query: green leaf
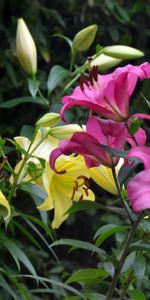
(54, 282)
(26, 233)
(69, 41)
(27, 131)
(137, 246)
(81, 245)
(139, 267)
(33, 86)
(86, 275)
(137, 295)
(14, 102)
(106, 231)
(33, 189)
(135, 125)
(72, 298)
(109, 267)
(84, 205)
(95, 296)
(128, 262)
(6, 286)
(2, 142)
(56, 76)
(17, 254)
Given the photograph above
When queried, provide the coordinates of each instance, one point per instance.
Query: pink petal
(138, 190)
(52, 159)
(143, 153)
(142, 116)
(140, 137)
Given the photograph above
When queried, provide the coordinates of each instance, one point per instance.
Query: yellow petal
(104, 178)
(39, 148)
(4, 207)
(61, 187)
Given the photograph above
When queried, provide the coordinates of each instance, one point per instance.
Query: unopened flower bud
(48, 120)
(26, 49)
(123, 52)
(105, 62)
(84, 38)
(66, 131)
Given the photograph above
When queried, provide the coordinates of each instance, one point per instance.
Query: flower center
(82, 185)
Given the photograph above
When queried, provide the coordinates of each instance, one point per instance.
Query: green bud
(48, 120)
(105, 62)
(84, 38)
(66, 131)
(123, 52)
(26, 49)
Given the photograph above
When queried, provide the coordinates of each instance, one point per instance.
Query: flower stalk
(123, 257)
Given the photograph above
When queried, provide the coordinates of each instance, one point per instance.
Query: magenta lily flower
(138, 190)
(142, 153)
(99, 132)
(107, 95)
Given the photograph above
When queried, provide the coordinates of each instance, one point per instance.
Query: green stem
(120, 195)
(26, 157)
(6, 161)
(122, 259)
(72, 61)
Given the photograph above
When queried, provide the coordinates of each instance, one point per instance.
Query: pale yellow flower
(5, 210)
(63, 189)
(104, 178)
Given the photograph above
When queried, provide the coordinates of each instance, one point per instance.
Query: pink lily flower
(138, 188)
(108, 95)
(99, 132)
(142, 153)
(139, 136)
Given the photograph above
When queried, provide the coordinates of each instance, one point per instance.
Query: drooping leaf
(139, 267)
(33, 86)
(81, 245)
(106, 231)
(14, 102)
(128, 262)
(137, 295)
(86, 275)
(56, 76)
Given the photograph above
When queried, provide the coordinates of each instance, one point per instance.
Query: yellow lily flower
(40, 148)
(104, 178)
(5, 210)
(62, 189)
(65, 188)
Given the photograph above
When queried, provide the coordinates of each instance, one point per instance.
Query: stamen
(95, 73)
(91, 78)
(82, 80)
(84, 185)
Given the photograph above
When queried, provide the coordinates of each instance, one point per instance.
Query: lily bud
(48, 120)
(105, 62)
(65, 132)
(84, 38)
(123, 52)
(26, 49)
